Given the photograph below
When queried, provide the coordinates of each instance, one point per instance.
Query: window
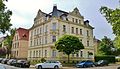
(72, 19)
(39, 53)
(79, 21)
(87, 43)
(45, 39)
(54, 26)
(53, 38)
(34, 42)
(76, 30)
(37, 40)
(80, 40)
(77, 55)
(72, 29)
(88, 54)
(31, 43)
(17, 37)
(17, 53)
(33, 53)
(45, 53)
(30, 53)
(80, 31)
(87, 33)
(46, 28)
(40, 41)
(76, 20)
(53, 53)
(35, 32)
(40, 30)
(64, 28)
(36, 53)
(17, 44)
(81, 53)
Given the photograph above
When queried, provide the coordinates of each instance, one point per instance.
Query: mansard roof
(57, 13)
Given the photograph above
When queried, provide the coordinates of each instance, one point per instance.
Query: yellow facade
(48, 28)
(20, 44)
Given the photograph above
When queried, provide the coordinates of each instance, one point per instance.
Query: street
(105, 67)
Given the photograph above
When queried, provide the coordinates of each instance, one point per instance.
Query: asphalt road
(105, 67)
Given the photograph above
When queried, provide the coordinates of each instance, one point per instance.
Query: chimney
(86, 22)
(54, 12)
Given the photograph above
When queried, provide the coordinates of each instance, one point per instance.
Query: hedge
(109, 58)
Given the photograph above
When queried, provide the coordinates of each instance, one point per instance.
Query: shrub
(43, 60)
(109, 58)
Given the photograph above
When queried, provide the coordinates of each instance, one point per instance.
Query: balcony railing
(54, 31)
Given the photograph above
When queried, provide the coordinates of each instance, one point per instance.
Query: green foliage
(0, 45)
(117, 42)
(113, 17)
(109, 58)
(43, 60)
(68, 44)
(8, 40)
(33, 62)
(4, 17)
(106, 46)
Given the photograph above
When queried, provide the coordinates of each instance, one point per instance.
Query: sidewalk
(32, 66)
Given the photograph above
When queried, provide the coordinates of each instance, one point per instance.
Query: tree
(106, 46)
(113, 17)
(8, 41)
(68, 44)
(2, 52)
(4, 17)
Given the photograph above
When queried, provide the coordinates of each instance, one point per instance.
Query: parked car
(85, 64)
(2, 67)
(49, 64)
(1, 60)
(12, 62)
(102, 63)
(4, 61)
(22, 64)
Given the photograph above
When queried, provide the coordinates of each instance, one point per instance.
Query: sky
(24, 12)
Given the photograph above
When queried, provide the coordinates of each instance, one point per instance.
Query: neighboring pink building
(20, 44)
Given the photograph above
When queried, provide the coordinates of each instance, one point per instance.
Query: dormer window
(24, 35)
(76, 20)
(54, 26)
(79, 21)
(76, 12)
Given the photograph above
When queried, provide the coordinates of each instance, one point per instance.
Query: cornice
(69, 22)
(45, 22)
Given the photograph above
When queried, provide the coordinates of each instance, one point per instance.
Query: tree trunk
(68, 58)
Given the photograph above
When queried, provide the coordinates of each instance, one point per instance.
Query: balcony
(54, 31)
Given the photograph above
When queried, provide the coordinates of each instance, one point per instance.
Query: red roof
(23, 34)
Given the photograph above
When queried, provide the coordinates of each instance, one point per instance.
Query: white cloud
(24, 11)
(17, 21)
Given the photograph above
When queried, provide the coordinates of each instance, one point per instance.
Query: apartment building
(20, 44)
(96, 45)
(48, 28)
